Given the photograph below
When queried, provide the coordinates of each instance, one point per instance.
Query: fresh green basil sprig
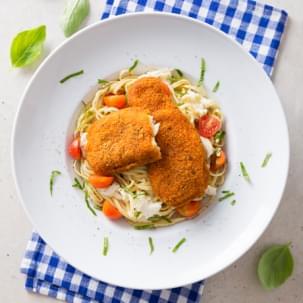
(74, 14)
(27, 46)
(275, 266)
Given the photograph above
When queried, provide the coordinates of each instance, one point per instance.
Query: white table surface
(238, 283)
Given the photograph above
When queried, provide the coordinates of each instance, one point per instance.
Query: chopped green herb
(134, 65)
(166, 219)
(88, 204)
(230, 194)
(216, 87)
(179, 72)
(137, 213)
(78, 185)
(103, 82)
(80, 72)
(54, 174)
(225, 191)
(126, 189)
(105, 246)
(275, 266)
(202, 72)
(233, 202)
(219, 136)
(244, 172)
(157, 218)
(266, 159)
(144, 226)
(176, 75)
(151, 245)
(182, 241)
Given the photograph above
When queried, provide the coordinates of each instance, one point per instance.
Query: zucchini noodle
(131, 193)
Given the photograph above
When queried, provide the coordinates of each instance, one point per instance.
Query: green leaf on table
(275, 266)
(74, 14)
(27, 46)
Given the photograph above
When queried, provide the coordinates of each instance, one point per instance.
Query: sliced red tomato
(209, 125)
(74, 149)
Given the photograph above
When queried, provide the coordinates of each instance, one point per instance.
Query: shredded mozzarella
(163, 73)
(146, 206)
(208, 146)
(211, 190)
(111, 191)
(83, 142)
(209, 103)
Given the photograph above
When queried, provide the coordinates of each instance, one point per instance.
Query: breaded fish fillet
(150, 93)
(121, 141)
(181, 175)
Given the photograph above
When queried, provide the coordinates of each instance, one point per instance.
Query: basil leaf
(27, 46)
(275, 266)
(74, 14)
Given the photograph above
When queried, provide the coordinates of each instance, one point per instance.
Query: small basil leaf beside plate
(275, 266)
(74, 14)
(27, 46)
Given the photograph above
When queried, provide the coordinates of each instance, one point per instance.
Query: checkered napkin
(48, 274)
(259, 29)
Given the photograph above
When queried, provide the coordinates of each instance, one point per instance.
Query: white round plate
(255, 125)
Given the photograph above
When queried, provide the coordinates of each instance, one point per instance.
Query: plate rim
(13, 143)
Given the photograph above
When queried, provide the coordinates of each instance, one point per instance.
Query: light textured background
(236, 284)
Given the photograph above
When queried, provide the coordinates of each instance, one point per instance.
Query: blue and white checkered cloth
(259, 29)
(48, 274)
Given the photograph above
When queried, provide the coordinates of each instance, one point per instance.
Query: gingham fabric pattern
(258, 27)
(48, 274)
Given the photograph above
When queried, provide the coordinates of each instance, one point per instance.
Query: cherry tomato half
(209, 125)
(74, 149)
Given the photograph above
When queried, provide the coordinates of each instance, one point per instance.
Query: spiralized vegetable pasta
(131, 193)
